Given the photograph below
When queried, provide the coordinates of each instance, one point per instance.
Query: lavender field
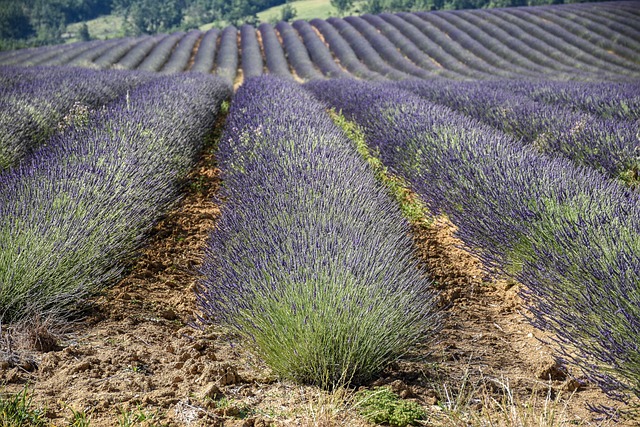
(591, 41)
(336, 146)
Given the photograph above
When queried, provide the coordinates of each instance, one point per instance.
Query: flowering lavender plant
(251, 55)
(311, 260)
(206, 54)
(275, 60)
(296, 52)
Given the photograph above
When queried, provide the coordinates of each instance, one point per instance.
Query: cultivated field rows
(592, 41)
(345, 147)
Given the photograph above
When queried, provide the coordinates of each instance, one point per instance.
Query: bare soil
(137, 352)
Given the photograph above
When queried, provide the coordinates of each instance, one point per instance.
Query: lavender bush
(159, 55)
(569, 235)
(86, 58)
(227, 56)
(320, 54)
(310, 262)
(454, 49)
(139, 52)
(578, 55)
(181, 55)
(608, 22)
(116, 53)
(476, 50)
(609, 100)
(608, 52)
(609, 31)
(343, 51)
(44, 54)
(551, 62)
(73, 215)
(79, 49)
(408, 48)
(432, 49)
(365, 52)
(252, 65)
(387, 50)
(503, 53)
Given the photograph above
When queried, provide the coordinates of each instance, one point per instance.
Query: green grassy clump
(382, 406)
(17, 411)
(349, 349)
(412, 207)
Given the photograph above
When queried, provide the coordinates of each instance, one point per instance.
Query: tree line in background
(379, 6)
(37, 22)
(26, 23)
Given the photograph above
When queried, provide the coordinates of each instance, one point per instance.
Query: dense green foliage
(17, 410)
(35, 22)
(383, 406)
(379, 6)
(44, 20)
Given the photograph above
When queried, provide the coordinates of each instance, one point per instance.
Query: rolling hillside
(592, 41)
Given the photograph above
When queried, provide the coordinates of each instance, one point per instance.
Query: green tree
(342, 5)
(83, 33)
(151, 16)
(288, 13)
(14, 22)
(242, 12)
(374, 6)
(49, 20)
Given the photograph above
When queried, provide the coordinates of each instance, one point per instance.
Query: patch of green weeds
(17, 410)
(411, 206)
(79, 418)
(382, 406)
(234, 409)
(139, 417)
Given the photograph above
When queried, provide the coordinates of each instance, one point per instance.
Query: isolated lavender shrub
(311, 261)
(568, 234)
(73, 214)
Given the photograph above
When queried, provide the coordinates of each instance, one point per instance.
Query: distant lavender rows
(595, 41)
(311, 260)
(73, 213)
(567, 233)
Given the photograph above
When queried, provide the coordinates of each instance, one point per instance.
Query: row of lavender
(570, 235)
(544, 115)
(311, 260)
(36, 102)
(73, 213)
(592, 41)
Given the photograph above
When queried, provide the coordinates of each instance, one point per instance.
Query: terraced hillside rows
(590, 41)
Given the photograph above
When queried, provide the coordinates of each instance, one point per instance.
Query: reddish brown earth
(137, 354)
